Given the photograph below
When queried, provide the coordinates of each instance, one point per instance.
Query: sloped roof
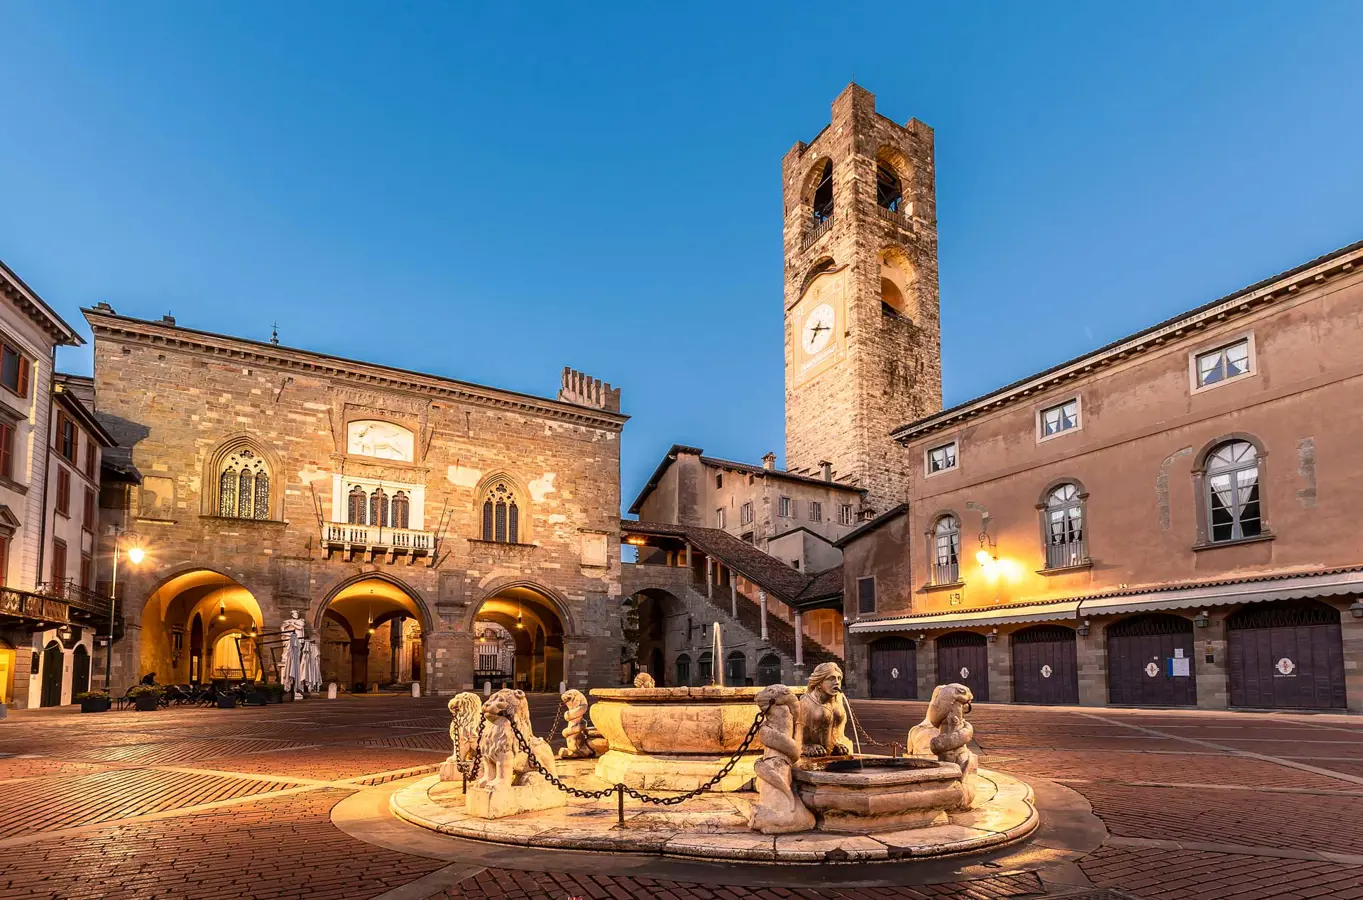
(715, 462)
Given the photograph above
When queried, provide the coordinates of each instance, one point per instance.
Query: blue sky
(493, 192)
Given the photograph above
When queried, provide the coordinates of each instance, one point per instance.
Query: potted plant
(93, 701)
(275, 690)
(227, 699)
(145, 696)
(257, 694)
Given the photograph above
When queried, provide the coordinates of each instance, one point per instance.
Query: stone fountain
(796, 793)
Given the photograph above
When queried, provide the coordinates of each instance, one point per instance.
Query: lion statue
(503, 762)
(945, 734)
(823, 714)
(645, 681)
(465, 708)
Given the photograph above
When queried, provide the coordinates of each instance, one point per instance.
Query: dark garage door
(1150, 661)
(1286, 655)
(893, 669)
(963, 658)
(1045, 667)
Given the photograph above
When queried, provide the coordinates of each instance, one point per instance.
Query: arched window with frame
(378, 508)
(1063, 514)
(244, 486)
(401, 507)
(946, 550)
(501, 514)
(358, 505)
(1232, 492)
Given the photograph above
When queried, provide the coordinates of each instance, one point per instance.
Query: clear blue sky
(494, 191)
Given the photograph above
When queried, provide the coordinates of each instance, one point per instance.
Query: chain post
(620, 803)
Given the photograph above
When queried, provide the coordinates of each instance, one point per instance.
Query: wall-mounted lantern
(1202, 620)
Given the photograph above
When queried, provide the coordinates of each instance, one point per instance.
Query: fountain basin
(675, 739)
(870, 794)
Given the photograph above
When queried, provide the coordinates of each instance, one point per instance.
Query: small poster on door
(1178, 667)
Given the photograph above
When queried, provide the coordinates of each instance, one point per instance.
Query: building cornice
(1254, 298)
(107, 324)
(13, 288)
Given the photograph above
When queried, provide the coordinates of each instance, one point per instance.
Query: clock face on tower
(818, 328)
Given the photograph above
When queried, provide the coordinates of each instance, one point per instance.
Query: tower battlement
(584, 390)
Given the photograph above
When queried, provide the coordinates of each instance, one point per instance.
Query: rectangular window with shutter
(783, 507)
(14, 369)
(63, 491)
(58, 561)
(7, 450)
(866, 595)
(87, 517)
(66, 437)
(90, 458)
(815, 511)
(87, 570)
(4, 561)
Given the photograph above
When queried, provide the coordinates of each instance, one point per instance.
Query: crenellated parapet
(583, 390)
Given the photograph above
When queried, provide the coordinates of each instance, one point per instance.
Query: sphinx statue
(945, 734)
(778, 809)
(823, 714)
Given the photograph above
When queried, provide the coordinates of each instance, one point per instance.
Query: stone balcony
(352, 539)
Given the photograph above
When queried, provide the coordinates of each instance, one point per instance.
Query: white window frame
(721, 518)
(846, 515)
(745, 513)
(927, 459)
(1251, 361)
(1042, 436)
(816, 510)
(785, 507)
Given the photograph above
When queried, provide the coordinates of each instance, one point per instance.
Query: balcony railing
(77, 597)
(893, 215)
(379, 537)
(817, 228)
(1064, 554)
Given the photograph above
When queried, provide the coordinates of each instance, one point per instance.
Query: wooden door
(893, 669)
(1150, 662)
(963, 658)
(80, 670)
(1286, 655)
(52, 675)
(1045, 665)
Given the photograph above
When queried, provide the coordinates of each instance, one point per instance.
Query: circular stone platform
(714, 826)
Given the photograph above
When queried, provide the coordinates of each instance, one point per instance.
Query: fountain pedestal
(675, 739)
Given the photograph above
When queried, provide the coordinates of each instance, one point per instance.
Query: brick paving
(235, 804)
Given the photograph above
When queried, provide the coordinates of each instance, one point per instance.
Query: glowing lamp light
(222, 612)
(983, 558)
(636, 540)
(136, 555)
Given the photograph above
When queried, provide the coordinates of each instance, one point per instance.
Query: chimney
(826, 469)
(168, 319)
(769, 462)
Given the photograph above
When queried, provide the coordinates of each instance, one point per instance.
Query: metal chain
(638, 795)
(470, 768)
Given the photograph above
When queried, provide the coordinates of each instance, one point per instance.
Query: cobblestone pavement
(226, 804)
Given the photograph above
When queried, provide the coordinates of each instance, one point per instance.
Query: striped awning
(1036, 612)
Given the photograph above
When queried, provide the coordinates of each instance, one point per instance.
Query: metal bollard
(620, 803)
(894, 749)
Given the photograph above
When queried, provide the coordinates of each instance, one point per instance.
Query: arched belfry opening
(518, 640)
(897, 289)
(823, 192)
(372, 632)
(889, 189)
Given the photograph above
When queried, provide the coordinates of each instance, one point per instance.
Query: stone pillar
(359, 663)
(395, 648)
(1000, 668)
(709, 578)
(733, 594)
(762, 601)
(1210, 658)
(448, 665)
(1351, 632)
(1091, 657)
(688, 555)
(576, 651)
(925, 652)
(799, 641)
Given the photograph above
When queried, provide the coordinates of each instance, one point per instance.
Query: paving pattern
(235, 804)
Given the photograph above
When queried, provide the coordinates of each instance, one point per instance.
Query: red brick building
(1164, 521)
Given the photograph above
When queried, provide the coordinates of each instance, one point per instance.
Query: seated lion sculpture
(465, 709)
(504, 763)
(945, 734)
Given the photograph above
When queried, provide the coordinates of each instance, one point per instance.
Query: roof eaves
(47, 316)
(884, 518)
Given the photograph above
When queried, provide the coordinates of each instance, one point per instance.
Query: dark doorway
(80, 670)
(196, 649)
(963, 658)
(736, 670)
(1045, 665)
(769, 669)
(683, 671)
(655, 666)
(1150, 661)
(1286, 655)
(52, 675)
(894, 669)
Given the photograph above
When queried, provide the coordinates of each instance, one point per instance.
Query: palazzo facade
(399, 514)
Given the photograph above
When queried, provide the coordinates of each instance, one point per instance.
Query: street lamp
(135, 555)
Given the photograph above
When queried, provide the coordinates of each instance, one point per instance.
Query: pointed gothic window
(501, 515)
(244, 486)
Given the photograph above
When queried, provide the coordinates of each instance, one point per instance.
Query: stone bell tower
(863, 345)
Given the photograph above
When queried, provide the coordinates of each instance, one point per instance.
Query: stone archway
(372, 629)
(660, 632)
(206, 605)
(537, 622)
